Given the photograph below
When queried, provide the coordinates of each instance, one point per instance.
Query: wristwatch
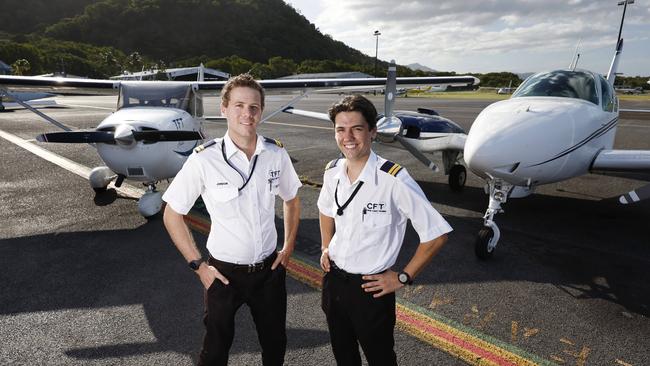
(404, 278)
(195, 264)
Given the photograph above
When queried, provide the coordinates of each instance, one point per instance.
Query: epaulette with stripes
(331, 164)
(202, 147)
(269, 140)
(391, 168)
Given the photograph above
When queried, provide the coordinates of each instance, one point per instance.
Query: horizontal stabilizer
(301, 112)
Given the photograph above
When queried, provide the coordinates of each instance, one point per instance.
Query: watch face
(403, 278)
(195, 264)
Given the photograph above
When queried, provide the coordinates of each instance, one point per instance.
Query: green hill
(179, 29)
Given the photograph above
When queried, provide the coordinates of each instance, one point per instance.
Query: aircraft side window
(607, 95)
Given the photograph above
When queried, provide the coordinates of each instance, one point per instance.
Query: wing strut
(39, 113)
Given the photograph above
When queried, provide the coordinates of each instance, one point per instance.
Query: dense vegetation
(102, 38)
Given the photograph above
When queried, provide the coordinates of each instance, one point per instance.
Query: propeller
(389, 127)
(123, 136)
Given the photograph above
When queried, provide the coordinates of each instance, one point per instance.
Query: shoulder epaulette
(202, 147)
(273, 141)
(391, 168)
(331, 164)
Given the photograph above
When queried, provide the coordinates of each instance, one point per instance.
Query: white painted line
(633, 125)
(74, 167)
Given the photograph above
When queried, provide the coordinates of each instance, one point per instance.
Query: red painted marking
(454, 339)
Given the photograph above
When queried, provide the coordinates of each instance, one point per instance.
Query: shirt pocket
(375, 228)
(224, 199)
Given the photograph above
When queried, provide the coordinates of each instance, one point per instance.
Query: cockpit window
(159, 94)
(561, 83)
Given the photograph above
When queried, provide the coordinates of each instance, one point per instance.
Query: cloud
(414, 31)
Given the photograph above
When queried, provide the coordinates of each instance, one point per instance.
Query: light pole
(624, 3)
(376, 34)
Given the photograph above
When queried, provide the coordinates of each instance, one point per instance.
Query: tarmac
(87, 280)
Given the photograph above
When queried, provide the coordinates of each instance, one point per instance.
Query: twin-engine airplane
(557, 125)
(419, 132)
(158, 124)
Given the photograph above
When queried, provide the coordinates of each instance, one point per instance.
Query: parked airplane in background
(33, 99)
(158, 124)
(419, 132)
(557, 125)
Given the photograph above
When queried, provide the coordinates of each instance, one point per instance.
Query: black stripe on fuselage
(599, 132)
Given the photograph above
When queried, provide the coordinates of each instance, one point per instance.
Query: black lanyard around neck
(223, 152)
(339, 210)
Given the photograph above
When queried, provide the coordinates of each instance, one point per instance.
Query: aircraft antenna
(576, 56)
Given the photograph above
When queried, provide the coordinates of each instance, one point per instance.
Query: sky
(489, 35)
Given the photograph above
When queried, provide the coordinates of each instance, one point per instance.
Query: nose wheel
(488, 236)
(151, 202)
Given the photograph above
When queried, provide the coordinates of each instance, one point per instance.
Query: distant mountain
(181, 29)
(417, 66)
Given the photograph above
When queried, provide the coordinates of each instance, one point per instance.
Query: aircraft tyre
(481, 246)
(100, 190)
(457, 178)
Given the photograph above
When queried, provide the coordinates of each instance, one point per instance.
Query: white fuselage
(147, 161)
(529, 141)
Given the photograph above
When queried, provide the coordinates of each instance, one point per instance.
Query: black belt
(347, 275)
(249, 268)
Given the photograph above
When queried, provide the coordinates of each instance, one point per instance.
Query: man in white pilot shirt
(238, 177)
(364, 206)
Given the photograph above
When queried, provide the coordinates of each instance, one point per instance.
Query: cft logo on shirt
(375, 207)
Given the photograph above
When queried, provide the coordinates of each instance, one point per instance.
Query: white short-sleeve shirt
(370, 232)
(242, 222)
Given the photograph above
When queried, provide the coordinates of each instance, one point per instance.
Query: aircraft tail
(391, 89)
(611, 74)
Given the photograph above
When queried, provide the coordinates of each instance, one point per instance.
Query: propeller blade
(417, 153)
(636, 195)
(391, 89)
(157, 136)
(77, 137)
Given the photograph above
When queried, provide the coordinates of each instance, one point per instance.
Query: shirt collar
(232, 149)
(368, 173)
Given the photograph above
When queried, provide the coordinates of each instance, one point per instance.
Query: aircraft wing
(625, 161)
(622, 160)
(54, 83)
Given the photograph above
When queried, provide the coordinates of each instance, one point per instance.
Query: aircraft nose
(511, 138)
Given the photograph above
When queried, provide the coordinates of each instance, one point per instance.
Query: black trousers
(353, 315)
(265, 293)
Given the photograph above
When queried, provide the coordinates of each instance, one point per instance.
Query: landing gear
(482, 247)
(457, 173)
(488, 237)
(100, 177)
(151, 202)
(457, 178)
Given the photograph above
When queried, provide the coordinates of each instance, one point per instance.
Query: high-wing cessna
(557, 125)
(157, 124)
(419, 132)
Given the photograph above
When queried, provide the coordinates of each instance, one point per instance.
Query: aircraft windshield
(155, 94)
(561, 83)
